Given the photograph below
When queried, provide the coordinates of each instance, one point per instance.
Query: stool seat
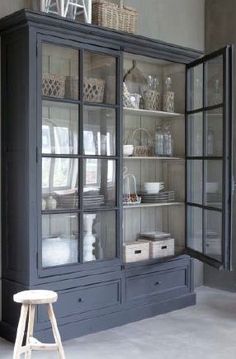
(35, 297)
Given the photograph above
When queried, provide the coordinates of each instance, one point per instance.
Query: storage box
(163, 248)
(136, 251)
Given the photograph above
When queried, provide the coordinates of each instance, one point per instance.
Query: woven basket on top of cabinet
(114, 15)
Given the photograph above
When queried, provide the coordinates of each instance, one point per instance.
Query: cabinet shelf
(149, 205)
(155, 158)
(150, 113)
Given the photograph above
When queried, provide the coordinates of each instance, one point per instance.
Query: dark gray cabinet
(63, 217)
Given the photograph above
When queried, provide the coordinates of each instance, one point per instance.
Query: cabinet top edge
(126, 42)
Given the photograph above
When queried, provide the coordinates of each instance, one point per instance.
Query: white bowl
(153, 187)
(128, 150)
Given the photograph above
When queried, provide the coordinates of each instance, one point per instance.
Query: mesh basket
(53, 85)
(94, 90)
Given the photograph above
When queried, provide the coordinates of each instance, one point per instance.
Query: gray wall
(174, 21)
(221, 30)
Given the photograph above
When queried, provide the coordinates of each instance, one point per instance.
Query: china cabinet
(69, 222)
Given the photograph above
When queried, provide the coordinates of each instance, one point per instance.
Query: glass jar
(159, 142)
(167, 141)
(169, 96)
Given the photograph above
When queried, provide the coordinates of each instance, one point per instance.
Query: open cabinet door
(209, 182)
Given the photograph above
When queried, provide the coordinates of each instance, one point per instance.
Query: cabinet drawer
(85, 299)
(155, 283)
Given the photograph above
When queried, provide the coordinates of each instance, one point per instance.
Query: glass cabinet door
(78, 158)
(100, 156)
(209, 158)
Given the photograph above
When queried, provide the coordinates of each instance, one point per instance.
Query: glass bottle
(157, 93)
(159, 142)
(150, 82)
(169, 96)
(167, 141)
(156, 84)
(210, 142)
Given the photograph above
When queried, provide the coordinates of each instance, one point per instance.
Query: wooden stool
(29, 299)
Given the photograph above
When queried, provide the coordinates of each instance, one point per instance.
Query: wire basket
(53, 85)
(145, 146)
(94, 90)
(114, 15)
(152, 100)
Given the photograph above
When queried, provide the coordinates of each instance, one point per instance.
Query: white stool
(29, 299)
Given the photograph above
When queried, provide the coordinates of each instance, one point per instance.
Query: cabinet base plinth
(95, 324)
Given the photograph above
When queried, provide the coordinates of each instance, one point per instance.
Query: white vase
(51, 203)
(89, 238)
(44, 203)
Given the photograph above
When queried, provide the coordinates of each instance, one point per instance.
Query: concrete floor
(205, 331)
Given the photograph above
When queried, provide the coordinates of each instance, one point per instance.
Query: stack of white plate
(167, 196)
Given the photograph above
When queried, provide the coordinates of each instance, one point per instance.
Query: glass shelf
(150, 113)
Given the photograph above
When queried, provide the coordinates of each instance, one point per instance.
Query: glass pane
(214, 183)
(213, 244)
(99, 78)
(59, 239)
(59, 183)
(214, 141)
(99, 131)
(195, 181)
(214, 81)
(99, 241)
(99, 183)
(59, 128)
(195, 134)
(195, 87)
(195, 228)
(59, 71)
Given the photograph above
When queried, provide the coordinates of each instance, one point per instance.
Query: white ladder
(66, 7)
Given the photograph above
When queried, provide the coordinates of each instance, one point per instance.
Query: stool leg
(30, 329)
(55, 331)
(20, 331)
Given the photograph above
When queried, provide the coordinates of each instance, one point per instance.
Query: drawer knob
(80, 300)
(157, 283)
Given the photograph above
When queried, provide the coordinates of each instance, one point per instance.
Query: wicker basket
(142, 149)
(94, 90)
(53, 85)
(115, 16)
